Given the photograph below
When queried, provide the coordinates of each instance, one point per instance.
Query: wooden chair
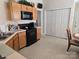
(71, 41)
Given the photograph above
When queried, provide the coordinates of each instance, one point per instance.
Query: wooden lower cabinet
(18, 41)
(10, 43)
(13, 42)
(38, 33)
(22, 39)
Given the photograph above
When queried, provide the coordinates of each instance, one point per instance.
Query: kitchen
(9, 29)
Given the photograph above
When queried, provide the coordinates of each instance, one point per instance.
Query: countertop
(7, 39)
(5, 50)
(8, 52)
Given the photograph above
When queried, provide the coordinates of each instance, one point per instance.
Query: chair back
(69, 34)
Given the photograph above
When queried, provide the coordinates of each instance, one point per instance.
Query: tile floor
(50, 48)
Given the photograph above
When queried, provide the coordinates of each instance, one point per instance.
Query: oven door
(26, 15)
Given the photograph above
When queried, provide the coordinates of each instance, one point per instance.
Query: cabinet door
(10, 43)
(34, 13)
(27, 8)
(22, 39)
(38, 33)
(16, 11)
(16, 42)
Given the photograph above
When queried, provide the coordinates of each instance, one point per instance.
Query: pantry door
(57, 22)
(48, 23)
(62, 22)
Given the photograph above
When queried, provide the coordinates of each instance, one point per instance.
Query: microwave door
(26, 15)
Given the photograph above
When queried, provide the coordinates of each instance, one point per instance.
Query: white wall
(58, 4)
(45, 4)
(76, 7)
(76, 18)
(3, 14)
(3, 11)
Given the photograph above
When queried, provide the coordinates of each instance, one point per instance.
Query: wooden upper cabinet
(27, 8)
(34, 13)
(30, 9)
(15, 10)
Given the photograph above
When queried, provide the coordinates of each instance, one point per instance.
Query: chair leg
(68, 47)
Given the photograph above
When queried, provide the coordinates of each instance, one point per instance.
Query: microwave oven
(26, 15)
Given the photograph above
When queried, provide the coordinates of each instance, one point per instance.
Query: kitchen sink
(5, 35)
